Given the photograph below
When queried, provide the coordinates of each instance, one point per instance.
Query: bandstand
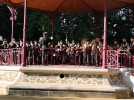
(113, 77)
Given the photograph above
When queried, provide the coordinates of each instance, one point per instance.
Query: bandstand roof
(71, 5)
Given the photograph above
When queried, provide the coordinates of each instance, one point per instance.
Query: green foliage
(37, 23)
(5, 24)
(75, 27)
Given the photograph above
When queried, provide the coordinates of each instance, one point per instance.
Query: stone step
(62, 81)
(27, 90)
(4, 91)
(54, 86)
(57, 93)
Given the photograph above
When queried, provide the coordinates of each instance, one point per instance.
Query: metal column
(105, 37)
(24, 35)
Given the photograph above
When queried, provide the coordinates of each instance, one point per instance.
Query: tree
(5, 25)
(71, 26)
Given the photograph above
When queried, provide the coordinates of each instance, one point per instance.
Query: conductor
(44, 45)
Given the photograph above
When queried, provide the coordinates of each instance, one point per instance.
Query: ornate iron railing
(10, 56)
(115, 58)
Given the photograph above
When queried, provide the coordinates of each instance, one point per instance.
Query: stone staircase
(66, 82)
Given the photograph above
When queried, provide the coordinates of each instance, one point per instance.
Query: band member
(5, 53)
(124, 47)
(31, 53)
(44, 45)
(1, 41)
(78, 54)
(36, 52)
(84, 48)
(13, 44)
(131, 47)
(124, 44)
(5, 44)
(94, 53)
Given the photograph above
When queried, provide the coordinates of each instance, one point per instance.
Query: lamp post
(64, 24)
(12, 19)
(53, 20)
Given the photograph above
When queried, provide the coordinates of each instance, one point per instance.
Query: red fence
(115, 58)
(10, 56)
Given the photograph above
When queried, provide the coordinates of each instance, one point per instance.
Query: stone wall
(8, 76)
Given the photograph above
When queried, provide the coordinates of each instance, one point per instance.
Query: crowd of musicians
(86, 52)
